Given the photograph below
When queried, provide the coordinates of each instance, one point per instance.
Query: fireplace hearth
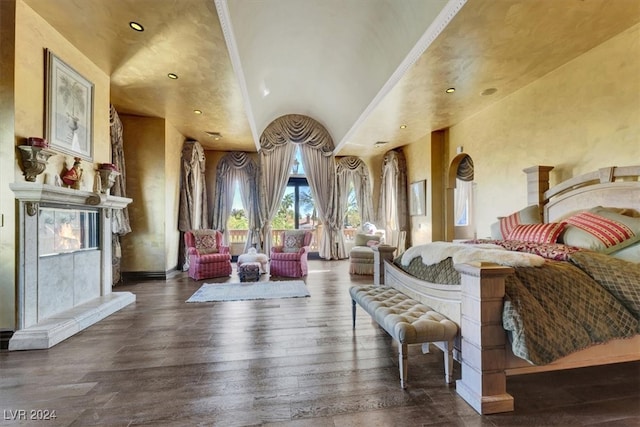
(64, 263)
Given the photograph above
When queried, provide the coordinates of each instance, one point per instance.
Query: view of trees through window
(352, 215)
(297, 208)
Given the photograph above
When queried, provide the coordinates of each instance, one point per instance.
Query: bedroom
(581, 116)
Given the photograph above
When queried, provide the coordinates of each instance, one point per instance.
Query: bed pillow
(630, 253)
(601, 230)
(537, 233)
(501, 229)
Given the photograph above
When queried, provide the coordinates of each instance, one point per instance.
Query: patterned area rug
(249, 291)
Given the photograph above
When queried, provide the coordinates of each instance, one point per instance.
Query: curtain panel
(192, 213)
(393, 207)
(120, 224)
(353, 169)
(237, 167)
(276, 159)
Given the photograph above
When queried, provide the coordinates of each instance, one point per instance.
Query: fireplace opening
(62, 230)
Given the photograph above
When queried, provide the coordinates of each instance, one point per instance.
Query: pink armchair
(208, 258)
(290, 259)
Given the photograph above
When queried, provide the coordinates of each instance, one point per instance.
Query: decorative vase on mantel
(34, 155)
(108, 172)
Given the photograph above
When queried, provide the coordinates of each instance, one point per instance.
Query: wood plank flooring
(285, 362)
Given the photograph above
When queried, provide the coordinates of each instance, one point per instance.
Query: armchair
(290, 258)
(208, 258)
(361, 255)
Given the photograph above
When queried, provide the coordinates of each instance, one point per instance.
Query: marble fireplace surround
(58, 296)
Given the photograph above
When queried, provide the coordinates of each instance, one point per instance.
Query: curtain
(276, 159)
(463, 192)
(120, 224)
(393, 206)
(237, 168)
(321, 174)
(353, 169)
(192, 213)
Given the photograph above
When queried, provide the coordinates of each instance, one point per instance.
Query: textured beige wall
(173, 149)
(32, 36)
(143, 250)
(418, 157)
(580, 117)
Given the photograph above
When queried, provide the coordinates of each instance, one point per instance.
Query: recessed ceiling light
(403, 126)
(135, 26)
(450, 90)
(172, 76)
(197, 111)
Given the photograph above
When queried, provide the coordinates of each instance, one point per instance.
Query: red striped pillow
(508, 223)
(608, 231)
(537, 233)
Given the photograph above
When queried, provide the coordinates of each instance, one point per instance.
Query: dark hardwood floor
(290, 362)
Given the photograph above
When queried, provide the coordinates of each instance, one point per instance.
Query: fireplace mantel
(44, 193)
(59, 295)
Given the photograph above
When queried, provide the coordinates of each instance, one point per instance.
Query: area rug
(250, 291)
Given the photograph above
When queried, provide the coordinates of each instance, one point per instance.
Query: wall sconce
(34, 157)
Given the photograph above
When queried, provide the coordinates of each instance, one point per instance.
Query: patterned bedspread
(562, 306)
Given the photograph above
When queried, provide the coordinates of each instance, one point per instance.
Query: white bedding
(433, 253)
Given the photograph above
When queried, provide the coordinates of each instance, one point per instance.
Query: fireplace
(64, 263)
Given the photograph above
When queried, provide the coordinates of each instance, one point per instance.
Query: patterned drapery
(353, 169)
(192, 213)
(276, 159)
(237, 167)
(465, 169)
(120, 224)
(393, 207)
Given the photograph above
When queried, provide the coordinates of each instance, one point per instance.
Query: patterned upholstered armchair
(208, 258)
(290, 259)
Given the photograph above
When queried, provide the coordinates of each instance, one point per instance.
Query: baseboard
(132, 276)
(5, 336)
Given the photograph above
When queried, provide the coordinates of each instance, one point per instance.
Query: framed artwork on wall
(69, 109)
(418, 198)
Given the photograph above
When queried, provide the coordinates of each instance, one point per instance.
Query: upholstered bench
(249, 272)
(407, 321)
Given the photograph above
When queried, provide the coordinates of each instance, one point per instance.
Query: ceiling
(360, 68)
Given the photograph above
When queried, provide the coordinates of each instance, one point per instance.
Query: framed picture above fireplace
(69, 109)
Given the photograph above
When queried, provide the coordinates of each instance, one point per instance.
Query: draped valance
(298, 129)
(465, 169)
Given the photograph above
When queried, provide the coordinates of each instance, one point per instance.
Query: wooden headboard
(613, 187)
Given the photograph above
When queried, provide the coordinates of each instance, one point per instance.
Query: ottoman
(254, 256)
(249, 272)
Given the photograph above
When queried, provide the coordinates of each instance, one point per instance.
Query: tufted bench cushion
(407, 321)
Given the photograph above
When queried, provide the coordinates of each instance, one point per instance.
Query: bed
(478, 303)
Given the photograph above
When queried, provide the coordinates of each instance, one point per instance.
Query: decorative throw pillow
(502, 228)
(601, 230)
(206, 242)
(293, 241)
(537, 233)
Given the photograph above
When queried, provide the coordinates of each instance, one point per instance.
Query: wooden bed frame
(476, 304)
